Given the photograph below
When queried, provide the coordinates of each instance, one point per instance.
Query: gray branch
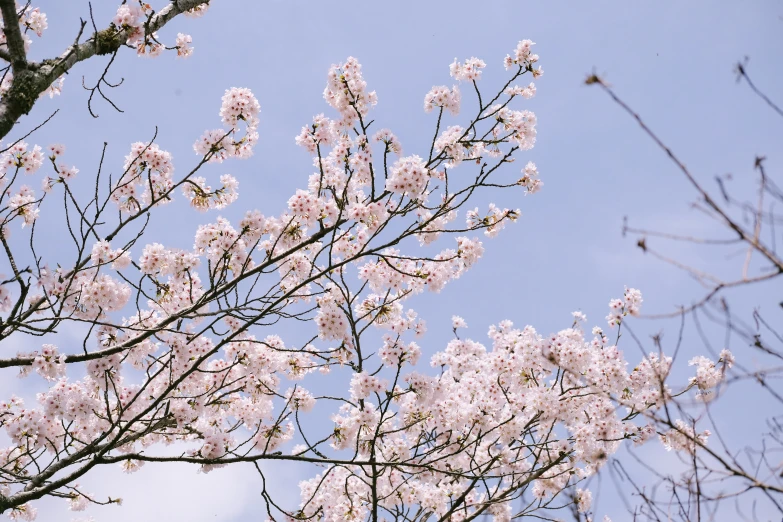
(31, 79)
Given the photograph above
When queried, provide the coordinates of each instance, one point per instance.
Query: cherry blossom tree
(180, 363)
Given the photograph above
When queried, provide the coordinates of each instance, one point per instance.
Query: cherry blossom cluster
(432, 226)
(529, 413)
(346, 91)
(394, 352)
(64, 173)
(530, 179)
(363, 385)
(709, 374)
(132, 18)
(175, 354)
(31, 19)
(23, 204)
(388, 138)
(683, 437)
(147, 178)
(20, 156)
(87, 294)
(321, 132)
(443, 97)
(628, 305)
(48, 363)
(157, 259)
(102, 253)
(228, 247)
(469, 71)
(197, 11)
(398, 274)
(451, 144)
(520, 124)
(494, 220)
(211, 382)
(526, 92)
(224, 247)
(184, 49)
(482, 412)
(409, 175)
(519, 127)
(239, 105)
(524, 57)
(202, 197)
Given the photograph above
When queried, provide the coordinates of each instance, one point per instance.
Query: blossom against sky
(672, 63)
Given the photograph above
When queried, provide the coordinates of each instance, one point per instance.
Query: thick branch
(32, 79)
(13, 35)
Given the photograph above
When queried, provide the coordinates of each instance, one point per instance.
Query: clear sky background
(671, 61)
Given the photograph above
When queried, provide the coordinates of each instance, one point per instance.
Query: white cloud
(174, 491)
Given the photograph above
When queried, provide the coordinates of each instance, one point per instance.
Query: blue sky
(671, 61)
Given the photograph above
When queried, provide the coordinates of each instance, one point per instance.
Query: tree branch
(13, 36)
(33, 79)
(5, 56)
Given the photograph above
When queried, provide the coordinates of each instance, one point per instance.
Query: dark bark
(31, 79)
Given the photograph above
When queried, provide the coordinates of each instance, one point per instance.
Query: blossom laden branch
(30, 80)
